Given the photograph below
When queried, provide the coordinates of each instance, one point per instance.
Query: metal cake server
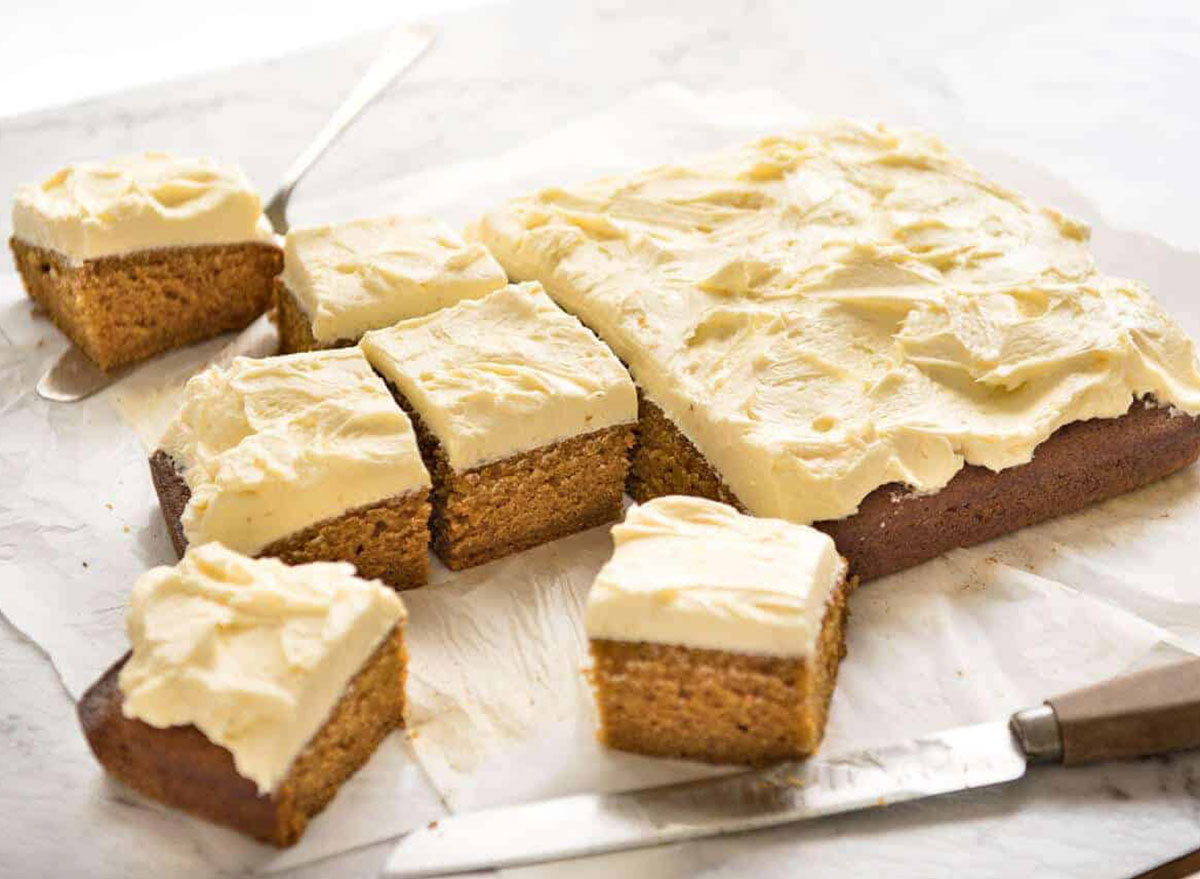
(1148, 713)
(74, 377)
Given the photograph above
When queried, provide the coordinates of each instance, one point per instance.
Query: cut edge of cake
(295, 327)
(495, 509)
(121, 309)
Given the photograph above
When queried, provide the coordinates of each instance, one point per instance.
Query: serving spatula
(1152, 712)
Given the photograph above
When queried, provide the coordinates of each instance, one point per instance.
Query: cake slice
(525, 420)
(304, 457)
(252, 690)
(716, 636)
(141, 254)
(343, 279)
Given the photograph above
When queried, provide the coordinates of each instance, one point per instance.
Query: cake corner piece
(127, 284)
(268, 779)
(716, 636)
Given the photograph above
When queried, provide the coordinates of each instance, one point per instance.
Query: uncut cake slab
(498, 704)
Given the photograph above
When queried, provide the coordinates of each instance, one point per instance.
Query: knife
(74, 377)
(1151, 712)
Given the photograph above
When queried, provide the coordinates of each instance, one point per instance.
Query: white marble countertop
(1102, 96)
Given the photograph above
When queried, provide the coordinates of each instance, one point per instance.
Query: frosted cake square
(305, 457)
(525, 420)
(136, 255)
(716, 636)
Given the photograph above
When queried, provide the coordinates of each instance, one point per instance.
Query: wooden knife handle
(1151, 712)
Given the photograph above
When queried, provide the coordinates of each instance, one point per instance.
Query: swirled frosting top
(698, 573)
(252, 652)
(849, 306)
(366, 274)
(511, 372)
(93, 209)
(270, 446)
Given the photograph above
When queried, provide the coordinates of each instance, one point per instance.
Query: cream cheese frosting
(697, 573)
(93, 209)
(270, 446)
(845, 307)
(253, 653)
(366, 274)
(501, 375)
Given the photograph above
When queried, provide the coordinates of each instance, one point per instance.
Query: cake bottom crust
(295, 327)
(121, 309)
(180, 767)
(388, 540)
(667, 700)
(895, 528)
(532, 498)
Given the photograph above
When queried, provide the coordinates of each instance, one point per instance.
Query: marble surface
(1102, 97)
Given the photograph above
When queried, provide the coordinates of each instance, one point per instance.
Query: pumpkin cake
(304, 457)
(343, 279)
(524, 418)
(850, 326)
(252, 691)
(141, 254)
(716, 636)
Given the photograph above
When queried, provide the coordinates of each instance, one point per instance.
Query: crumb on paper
(85, 564)
(108, 506)
(125, 528)
(433, 824)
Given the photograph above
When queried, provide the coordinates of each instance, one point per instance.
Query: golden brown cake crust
(894, 529)
(121, 309)
(388, 540)
(295, 327)
(713, 705)
(180, 767)
(526, 500)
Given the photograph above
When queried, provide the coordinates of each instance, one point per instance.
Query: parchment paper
(500, 710)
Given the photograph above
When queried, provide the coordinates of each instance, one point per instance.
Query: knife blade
(1151, 712)
(592, 824)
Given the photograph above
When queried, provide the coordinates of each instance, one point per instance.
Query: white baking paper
(500, 710)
